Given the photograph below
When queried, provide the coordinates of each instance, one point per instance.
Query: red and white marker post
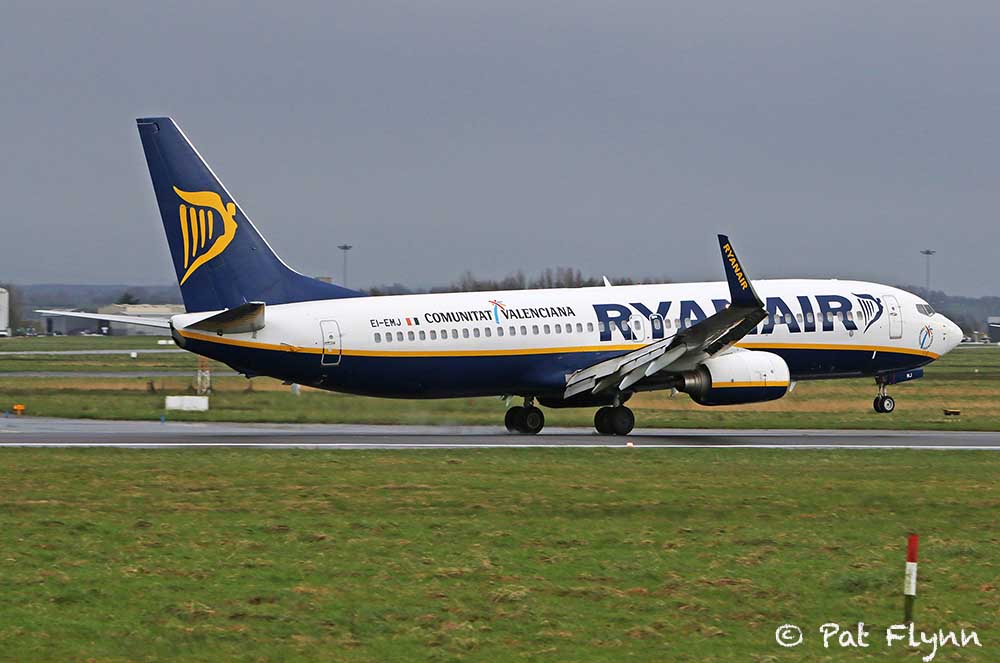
(910, 580)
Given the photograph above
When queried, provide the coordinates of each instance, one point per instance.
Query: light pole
(928, 253)
(345, 248)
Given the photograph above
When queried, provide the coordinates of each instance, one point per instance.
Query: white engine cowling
(738, 377)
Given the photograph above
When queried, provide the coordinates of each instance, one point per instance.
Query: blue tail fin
(220, 258)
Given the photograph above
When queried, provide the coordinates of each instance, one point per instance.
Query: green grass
(965, 379)
(500, 555)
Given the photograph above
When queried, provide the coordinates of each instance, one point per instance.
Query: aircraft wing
(162, 323)
(687, 347)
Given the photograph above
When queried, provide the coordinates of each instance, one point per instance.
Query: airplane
(721, 343)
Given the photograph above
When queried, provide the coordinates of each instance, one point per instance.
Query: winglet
(741, 292)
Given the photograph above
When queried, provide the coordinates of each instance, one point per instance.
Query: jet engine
(747, 376)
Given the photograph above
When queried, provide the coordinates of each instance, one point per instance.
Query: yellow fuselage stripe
(529, 351)
(831, 346)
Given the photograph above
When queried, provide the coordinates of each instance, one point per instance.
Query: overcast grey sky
(833, 139)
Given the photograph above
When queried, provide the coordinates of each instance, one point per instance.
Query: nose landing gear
(883, 403)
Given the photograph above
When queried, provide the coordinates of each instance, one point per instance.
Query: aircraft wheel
(601, 423)
(877, 404)
(514, 419)
(888, 404)
(532, 421)
(621, 420)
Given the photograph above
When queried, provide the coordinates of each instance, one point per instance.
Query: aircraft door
(331, 342)
(895, 316)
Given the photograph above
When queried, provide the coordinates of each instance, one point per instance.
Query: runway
(47, 432)
(110, 374)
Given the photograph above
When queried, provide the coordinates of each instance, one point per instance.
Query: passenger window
(423, 335)
(409, 336)
(399, 336)
(677, 323)
(444, 334)
(558, 329)
(534, 329)
(499, 331)
(829, 316)
(378, 337)
(524, 330)
(666, 323)
(590, 326)
(850, 315)
(434, 335)
(601, 327)
(569, 329)
(475, 332)
(548, 330)
(488, 332)
(465, 333)
(388, 337)
(809, 317)
(798, 318)
(454, 333)
(513, 330)
(579, 328)
(657, 323)
(788, 318)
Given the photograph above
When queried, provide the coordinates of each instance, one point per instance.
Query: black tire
(621, 420)
(514, 419)
(601, 421)
(877, 404)
(532, 421)
(888, 404)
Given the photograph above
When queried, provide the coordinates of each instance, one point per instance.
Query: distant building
(65, 325)
(142, 311)
(993, 325)
(4, 312)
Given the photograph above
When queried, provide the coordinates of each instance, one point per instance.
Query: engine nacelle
(738, 377)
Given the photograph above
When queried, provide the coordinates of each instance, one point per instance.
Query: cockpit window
(926, 309)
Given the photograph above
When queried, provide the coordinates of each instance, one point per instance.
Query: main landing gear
(617, 420)
(526, 420)
(883, 403)
(529, 420)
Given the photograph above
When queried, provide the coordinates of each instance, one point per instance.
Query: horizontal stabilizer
(242, 319)
(127, 319)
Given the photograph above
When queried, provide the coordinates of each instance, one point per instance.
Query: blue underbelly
(535, 374)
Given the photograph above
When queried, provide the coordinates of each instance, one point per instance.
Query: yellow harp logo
(198, 229)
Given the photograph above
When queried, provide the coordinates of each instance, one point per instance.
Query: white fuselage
(524, 339)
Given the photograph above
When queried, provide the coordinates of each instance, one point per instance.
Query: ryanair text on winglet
(736, 266)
